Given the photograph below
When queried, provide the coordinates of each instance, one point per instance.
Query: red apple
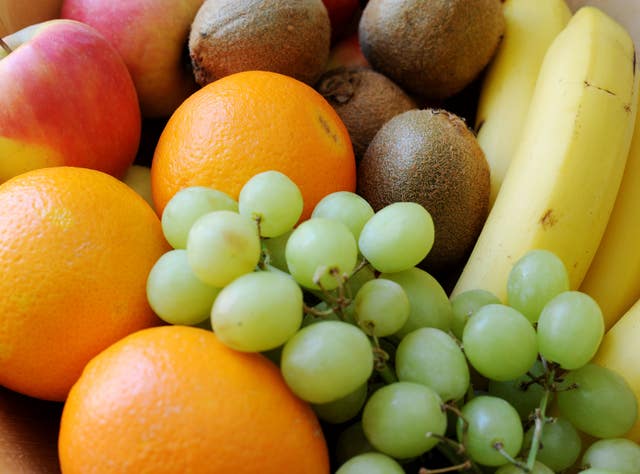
(341, 15)
(66, 98)
(347, 53)
(151, 36)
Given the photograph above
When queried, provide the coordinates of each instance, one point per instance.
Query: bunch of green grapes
(407, 379)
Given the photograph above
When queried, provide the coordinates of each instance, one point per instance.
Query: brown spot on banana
(548, 219)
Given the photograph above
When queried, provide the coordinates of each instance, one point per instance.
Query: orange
(173, 399)
(250, 122)
(76, 246)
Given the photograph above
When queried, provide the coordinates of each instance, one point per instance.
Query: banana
(530, 27)
(619, 352)
(613, 278)
(561, 185)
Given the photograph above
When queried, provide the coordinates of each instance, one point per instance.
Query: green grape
(614, 454)
(538, 468)
(186, 206)
(359, 278)
(371, 463)
(326, 361)
(464, 304)
(491, 421)
(318, 246)
(398, 419)
(397, 237)
(381, 307)
(603, 405)
(175, 294)
(257, 311)
(350, 442)
(570, 329)
(274, 199)
(343, 409)
(431, 357)
(223, 245)
(523, 395)
(500, 342)
(274, 250)
(430, 305)
(596, 470)
(347, 207)
(560, 444)
(534, 279)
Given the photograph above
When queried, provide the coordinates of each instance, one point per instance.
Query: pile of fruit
(383, 236)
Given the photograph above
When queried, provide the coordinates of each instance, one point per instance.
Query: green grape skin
(570, 329)
(398, 418)
(274, 251)
(371, 463)
(538, 468)
(560, 444)
(429, 303)
(350, 442)
(326, 361)
(490, 420)
(257, 311)
(343, 409)
(614, 454)
(603, 404)
(595, 470)
(520, 393)
(464, 304)
(397, 237)
(175, 294)
(431, 357)
(358, 278)
(499, 342)
(535, 278)
(381, 307)
(272, 198)
(186, 206)
(347, 207)
(222, 245)
(317, 246)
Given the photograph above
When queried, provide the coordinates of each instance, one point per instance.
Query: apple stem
(5, 46)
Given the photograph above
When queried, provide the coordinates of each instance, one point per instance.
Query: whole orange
(250, 122)
(76, 246)
(174, 399)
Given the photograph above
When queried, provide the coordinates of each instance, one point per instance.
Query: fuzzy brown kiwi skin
(365, 100)
(433, 48)
(431, 157)
(229, 36)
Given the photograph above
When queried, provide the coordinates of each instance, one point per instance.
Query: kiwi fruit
(430, 156)
(433, 48)
(229, 36)
(365, 100)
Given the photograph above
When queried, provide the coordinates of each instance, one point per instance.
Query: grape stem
(499, 446)
(458, 467)
(453, 451)
(539, 416)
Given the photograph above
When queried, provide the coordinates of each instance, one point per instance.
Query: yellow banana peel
(561, 185)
